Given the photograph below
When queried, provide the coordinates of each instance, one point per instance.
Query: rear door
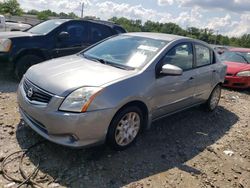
(78, 38)
(172, 93)
(204, 72)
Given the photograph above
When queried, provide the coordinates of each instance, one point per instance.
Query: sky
(227, 17)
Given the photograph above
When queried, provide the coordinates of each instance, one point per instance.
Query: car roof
(166, 37)
(103, 22)
(240, 49)
(62, 19)
(159, 36)
(108, 23)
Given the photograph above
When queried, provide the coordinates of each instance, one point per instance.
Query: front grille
(34, 93)
(229, 74)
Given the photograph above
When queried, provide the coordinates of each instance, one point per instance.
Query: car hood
(15, 34)
(63, 75)
(234, 67)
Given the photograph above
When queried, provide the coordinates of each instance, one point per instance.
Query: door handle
(191, 78)
(214, 71)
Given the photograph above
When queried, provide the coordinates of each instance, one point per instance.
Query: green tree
(42, 16)
(150, 26)
(45, 14)
(33, 12)
(11, 7)
(63, 15)
(1, 8)
(225, 40)
(204, 34)
(72, 15)
(172, 28)
(129, 25)
(244, 41)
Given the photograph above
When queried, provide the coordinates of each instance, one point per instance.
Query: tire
(24, 63)
(121, 133)
(214, 99)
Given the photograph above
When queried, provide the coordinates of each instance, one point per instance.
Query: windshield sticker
(137, 59)
(148, 48)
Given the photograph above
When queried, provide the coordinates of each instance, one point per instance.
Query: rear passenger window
(180, 56)
(203, 55)
(99, 32)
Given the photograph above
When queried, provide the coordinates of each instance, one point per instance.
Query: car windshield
(239, 57)
(46, 27)
(126, 51)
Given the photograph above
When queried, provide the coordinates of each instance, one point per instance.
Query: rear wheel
(24, 63)
(214, 99)
(125, 128)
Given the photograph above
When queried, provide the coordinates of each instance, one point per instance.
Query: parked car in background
(51, 39)
(113, 90)
(238, 67)
(12, 26)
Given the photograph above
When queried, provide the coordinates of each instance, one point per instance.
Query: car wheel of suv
(214, 98)
(125, 128)
(24, 63)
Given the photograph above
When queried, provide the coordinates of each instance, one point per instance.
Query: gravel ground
(190, 149)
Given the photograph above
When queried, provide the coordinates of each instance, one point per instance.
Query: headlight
(243, 73)
(5, 45)
(80, 99)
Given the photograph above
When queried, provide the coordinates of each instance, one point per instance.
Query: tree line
(205, 34)
(12, 7)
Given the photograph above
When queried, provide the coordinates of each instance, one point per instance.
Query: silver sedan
(113, 90)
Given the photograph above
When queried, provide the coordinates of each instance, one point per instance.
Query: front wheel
(125, 128)
(214, 99)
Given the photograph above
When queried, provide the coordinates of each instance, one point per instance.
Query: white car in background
(12, 26)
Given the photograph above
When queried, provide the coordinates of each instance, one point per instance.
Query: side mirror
(63, 35)
(171, 70)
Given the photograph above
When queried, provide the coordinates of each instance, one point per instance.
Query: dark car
(51, 39)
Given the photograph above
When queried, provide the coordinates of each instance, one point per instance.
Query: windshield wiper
(124, 67)
(94, 59)
(102, 61)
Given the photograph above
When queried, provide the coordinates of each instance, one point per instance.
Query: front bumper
(68, 129)
(237, 82)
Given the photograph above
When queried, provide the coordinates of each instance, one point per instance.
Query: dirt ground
(190, 149)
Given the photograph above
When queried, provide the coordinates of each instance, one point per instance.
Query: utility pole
(82, 5)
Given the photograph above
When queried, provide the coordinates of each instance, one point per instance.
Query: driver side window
(180, 56)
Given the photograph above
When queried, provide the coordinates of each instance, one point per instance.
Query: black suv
(51, 39)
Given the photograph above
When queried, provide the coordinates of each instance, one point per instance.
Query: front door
(77, 40)
(174, 93)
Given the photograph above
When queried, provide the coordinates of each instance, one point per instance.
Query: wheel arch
(36, 52)
(136, 103)
(141, 105)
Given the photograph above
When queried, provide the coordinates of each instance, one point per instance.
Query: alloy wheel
(127, 128)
